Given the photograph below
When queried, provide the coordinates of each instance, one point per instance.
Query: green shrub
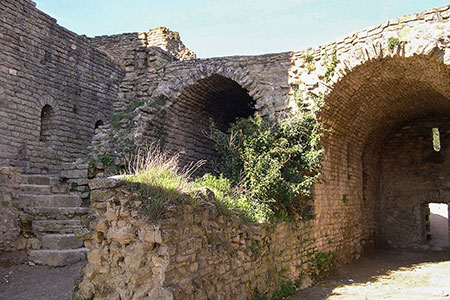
(107, 160)
(323, 264)
(274, 163)
(393, 42)
(286, 289)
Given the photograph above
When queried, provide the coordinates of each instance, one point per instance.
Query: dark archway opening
(386, 110)
(215, 99)
(47, 124)
(98, 124)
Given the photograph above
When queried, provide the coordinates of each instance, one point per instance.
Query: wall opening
(47, 124)
(436, 139)
(98, 124)
(437, 225)
(215, 99)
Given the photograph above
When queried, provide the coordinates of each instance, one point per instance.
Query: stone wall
(412, 175)
(183, 97)
(120, 45)
(9, 211)
(191, 253)
(54, 87)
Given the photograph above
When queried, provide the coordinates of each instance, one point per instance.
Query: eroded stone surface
(191, 253)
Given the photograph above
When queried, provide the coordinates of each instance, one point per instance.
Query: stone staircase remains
(52, 214)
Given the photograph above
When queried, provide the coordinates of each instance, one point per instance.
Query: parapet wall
(191, 253)
(45, 65)
(119, 45)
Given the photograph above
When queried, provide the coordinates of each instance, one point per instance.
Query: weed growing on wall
(393, 42)
(322, 264)
(331, 63)
(273, 163)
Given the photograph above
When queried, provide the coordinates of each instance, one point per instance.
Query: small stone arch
(48, 100)
(98, 124)
(173, 87)
(47, 127)
(98, 120)
(48, 115)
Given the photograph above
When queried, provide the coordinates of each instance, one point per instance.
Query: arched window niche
(47, 124)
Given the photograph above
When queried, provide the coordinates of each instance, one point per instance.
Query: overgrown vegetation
(286, 289)
(267, 170)
(159, 178)
(322, 265)
(309, 62)
(273, 163)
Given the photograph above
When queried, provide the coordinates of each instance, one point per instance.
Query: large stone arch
(383, 79)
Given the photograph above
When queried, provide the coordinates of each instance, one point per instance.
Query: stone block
(57, 258)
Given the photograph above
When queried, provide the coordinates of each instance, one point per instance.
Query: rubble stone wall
(191, 253)
(54, 87)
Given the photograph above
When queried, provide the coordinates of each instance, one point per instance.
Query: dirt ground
(398, 275)
(23, 282)
(383, 275)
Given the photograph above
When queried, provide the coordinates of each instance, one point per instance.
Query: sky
(232, 27)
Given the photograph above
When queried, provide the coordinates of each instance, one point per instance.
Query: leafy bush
(286, 289)
(274, 163)
(323, 264)
(107, 160)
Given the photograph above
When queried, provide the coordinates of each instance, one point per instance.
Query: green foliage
(158, 186)
(73, 186)
(393, 42)
(273, 163)
(331, 64)
(286, 289)
(74, 108)
(228, 199)
(298, 281)
(107, 160)
(259, 296)
(135, 104)
(117, 118)
(158, 102)
(323, 264)
(127, 114)
(344, 198)
(309, 58)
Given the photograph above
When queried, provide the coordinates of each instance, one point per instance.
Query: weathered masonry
(387, 105)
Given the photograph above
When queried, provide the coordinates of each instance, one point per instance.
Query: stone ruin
(67, 101)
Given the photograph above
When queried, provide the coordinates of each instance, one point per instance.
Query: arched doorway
(365, 111)
(98, 124)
